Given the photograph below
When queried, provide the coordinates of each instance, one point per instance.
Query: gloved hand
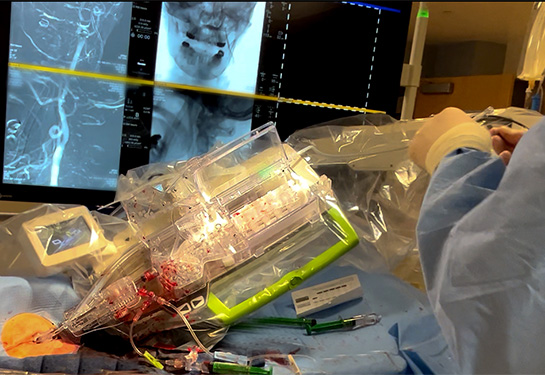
(443, 133)
(504, 140)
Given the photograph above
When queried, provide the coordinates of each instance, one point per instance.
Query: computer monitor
(93, 89)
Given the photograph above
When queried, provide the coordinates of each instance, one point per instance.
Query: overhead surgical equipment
(410, 76)
(532, 61)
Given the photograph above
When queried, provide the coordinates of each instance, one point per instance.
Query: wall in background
(476, 47)
(463, 59)
(496, 22)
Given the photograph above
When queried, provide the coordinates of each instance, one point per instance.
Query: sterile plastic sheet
(116, 232)
(146, 196)
(52, 239)
(220, 235)
(532, 62)
(378, 187)
(308, 212)
(14, 256)
(512, 117)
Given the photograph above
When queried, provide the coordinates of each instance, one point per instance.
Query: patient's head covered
(202, 35)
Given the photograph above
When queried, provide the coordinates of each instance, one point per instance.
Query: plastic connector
(105, 307)
(153, 361)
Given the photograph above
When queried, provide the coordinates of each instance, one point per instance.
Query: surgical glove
(443, 133)
(504, 140)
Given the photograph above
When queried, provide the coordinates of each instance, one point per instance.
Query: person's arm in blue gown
(481, 235)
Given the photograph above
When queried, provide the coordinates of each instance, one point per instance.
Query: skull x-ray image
(65, 130)
(187, 124)
(210, 44)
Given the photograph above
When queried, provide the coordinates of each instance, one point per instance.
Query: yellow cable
(209, 90)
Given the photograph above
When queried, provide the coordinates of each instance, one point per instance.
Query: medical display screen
(64, 235)
(65, 130)
(96, 88)
(209, 45)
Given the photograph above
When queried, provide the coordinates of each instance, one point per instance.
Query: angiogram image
(210, 44)
(86, 36)
(64, 129)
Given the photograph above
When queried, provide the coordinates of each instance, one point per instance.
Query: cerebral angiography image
(85, 36)
(65, 130)
(210, 44)
(188, 123)
(62, 130)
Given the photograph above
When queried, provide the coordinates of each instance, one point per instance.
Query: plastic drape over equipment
(532, 61)
(214, 238)
(220, 236)
(52, 239)
(532, 65)
(379, 188)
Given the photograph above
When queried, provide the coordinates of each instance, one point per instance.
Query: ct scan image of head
(202, 35)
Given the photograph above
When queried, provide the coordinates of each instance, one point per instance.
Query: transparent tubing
(164, 302)
(188, 325)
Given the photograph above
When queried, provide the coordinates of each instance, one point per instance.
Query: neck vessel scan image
(59, 127)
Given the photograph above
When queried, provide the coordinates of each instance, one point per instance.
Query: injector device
(222, 235)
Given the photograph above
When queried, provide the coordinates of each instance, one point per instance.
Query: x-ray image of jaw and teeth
(65, 130)
(204, 44)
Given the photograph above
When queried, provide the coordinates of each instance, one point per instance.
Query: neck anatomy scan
(70, 36)
(202, 35)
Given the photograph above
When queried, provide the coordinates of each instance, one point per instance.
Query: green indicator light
(264, 173)
(423, 13)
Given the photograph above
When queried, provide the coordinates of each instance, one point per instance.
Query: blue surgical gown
(481, 235)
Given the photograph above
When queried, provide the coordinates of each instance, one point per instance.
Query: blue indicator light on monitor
(372, 6)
